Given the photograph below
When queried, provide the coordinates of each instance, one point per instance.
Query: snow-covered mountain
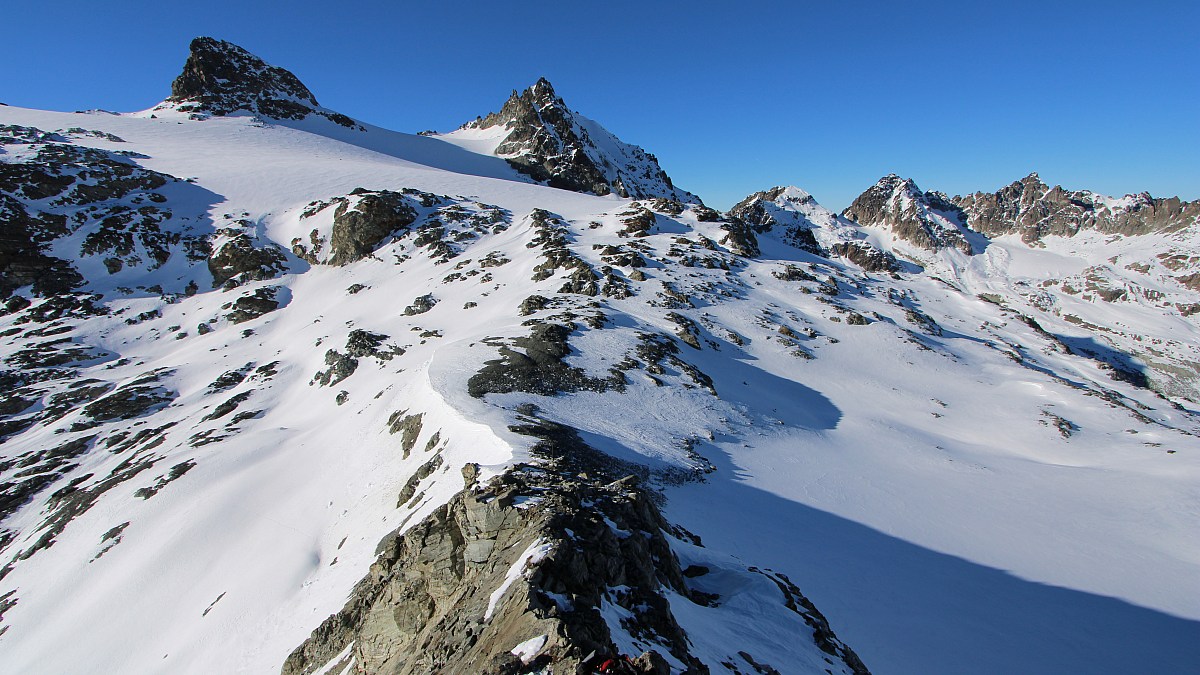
(1034, 210)
(1114, 266)
(791, 215)
(927, 220)
(541, 137)
(290, 395)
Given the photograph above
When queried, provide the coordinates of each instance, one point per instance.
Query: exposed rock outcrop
(51, 188)
(538, 367)
(740, 238)
(22, 263)
(526, 573)
(220, 78)
(551, 143)
(359, 226)
(261, 301)
(351, 227)
(237, 260)
(866, 256)
(927, 220)
(789, 212)
(791, 215)
(1031, 208)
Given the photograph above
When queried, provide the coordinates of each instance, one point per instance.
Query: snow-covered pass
(286, 392)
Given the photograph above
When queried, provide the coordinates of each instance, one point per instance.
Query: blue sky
(732, 97)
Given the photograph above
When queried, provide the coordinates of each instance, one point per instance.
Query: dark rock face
(375, 216)
(866, 256)
(927, 220)
(22, 262)
(740, 238)
(420, 305)
(359, 344)
(262, 301)
(1032, 209)
(140, 397)
(760, 212)
(55, 188)
(223, 76)
(362, 221)
(238, 261)
(530, 558)
(550, 234)
(552, 144)
(537, 118)
(539, 368)
(128, 402)
(220, 78)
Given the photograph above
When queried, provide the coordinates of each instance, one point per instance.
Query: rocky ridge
(556, 145)
(929, 224)
(794, 217)
(1034, 210)
(1027, 207)
(220, 78)
(928, 220)
(537, 557)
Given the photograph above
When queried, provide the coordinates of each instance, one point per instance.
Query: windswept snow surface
(918, 485)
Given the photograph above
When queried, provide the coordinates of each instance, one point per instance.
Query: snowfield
(974, 493)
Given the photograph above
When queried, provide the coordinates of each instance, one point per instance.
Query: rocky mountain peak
(789, 195)
(761, 209)
(216, 69)
(791, 215)
(542, 90)
(1030, 187)
(220, 78)
(543, 138)
(1034, 210)
(895, 183)
(757, 208)
(929, 221)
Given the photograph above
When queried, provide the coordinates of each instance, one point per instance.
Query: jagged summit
(541, 137)
(220, 78)
(543, 91)
(793, 216)
(1028, 207)
(927, 220)
(787, 211)
(224, 77)
(1032, 209)
(787, 193)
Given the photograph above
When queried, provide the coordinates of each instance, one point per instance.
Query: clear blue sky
(733, 97)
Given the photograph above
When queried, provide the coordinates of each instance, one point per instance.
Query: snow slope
(957, 481)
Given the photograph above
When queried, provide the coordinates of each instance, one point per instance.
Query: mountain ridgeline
(543, 138)
(288, 393)
(1028, 208)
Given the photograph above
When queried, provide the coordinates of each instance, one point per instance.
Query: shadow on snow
(908, 609)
